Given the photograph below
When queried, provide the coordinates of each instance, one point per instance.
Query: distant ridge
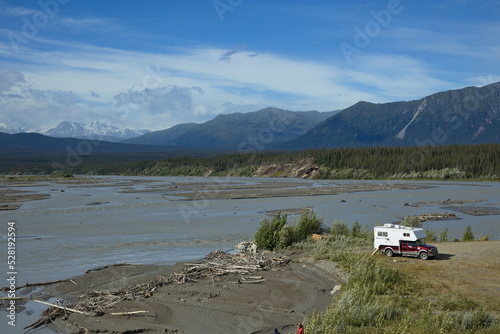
(465, 116)
(457, 117)
(35, 143)
(94, 130)
(232, 131)
(161, 137)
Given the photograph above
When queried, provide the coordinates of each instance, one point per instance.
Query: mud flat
(11, 199)
(256, 302)
(287, 190)
(475, 210)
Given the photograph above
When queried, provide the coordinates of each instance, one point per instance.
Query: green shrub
(267, 236)
(443, 235)
(277, 234)
(468, 235)
(339, 228)
(430, 235)
(309, 224)
(286, 237)
(356, 230)
(411, 221)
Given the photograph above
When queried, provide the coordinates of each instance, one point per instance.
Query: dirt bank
(303, 169)
(216, 304)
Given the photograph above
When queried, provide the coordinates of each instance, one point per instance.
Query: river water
(138, 220)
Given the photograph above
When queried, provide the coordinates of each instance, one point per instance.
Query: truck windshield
(420, 242)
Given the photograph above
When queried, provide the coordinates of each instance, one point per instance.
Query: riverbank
(464, 273)
(240, 301)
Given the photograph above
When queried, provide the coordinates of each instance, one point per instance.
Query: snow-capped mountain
(10, 129)
(94, 130)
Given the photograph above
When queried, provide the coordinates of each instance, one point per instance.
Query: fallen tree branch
(61, 307)
(108, 266)
(251, 282)
(129, 313)
(37, 284)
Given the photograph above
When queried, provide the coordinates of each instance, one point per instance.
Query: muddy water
(140, 220)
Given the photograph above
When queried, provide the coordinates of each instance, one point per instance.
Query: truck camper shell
(393, 239)
(391, 234)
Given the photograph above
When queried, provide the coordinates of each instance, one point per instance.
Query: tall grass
(380, 299)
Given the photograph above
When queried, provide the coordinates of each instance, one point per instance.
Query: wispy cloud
(156, 90)
(161, 84)
(226, 56)
(15, 11)
(9, 79)
(89, 24)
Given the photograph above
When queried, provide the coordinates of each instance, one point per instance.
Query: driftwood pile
(433, 216)
(215, 264)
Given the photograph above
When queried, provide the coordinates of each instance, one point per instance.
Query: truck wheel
(423, 255)
(388, 252)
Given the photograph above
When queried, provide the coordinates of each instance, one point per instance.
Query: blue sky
(154, 64)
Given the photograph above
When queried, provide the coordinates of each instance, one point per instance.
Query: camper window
(406, 234)
(382, 234)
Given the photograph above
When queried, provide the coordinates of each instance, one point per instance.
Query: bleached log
(252, 282)
(129, 313)
(61, 307)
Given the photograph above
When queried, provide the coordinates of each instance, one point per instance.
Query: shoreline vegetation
(456, 162)
(332, 283)
(377, 298)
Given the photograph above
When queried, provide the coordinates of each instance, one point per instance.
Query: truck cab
(393, 239)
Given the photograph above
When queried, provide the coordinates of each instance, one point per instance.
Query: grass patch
(381, 299)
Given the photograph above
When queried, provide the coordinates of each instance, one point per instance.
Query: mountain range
(94, 130)
(464, 116)
(237, 131)
(4, 128)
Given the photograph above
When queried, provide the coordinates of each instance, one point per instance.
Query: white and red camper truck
(393, 239)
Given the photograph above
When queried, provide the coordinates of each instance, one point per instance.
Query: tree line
(426, 162)
(429, 162)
